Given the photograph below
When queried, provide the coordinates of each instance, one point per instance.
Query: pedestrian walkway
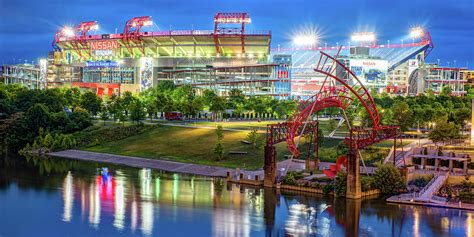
(137, 162)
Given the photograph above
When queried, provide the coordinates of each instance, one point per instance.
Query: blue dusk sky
(27, 28)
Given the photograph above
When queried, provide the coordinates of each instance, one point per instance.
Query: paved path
(164, 165)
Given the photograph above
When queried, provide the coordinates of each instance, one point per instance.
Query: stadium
(225, 58)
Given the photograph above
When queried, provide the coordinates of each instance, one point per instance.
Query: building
(380, 67)
(227, 57)
(28, 75)
(433, 77)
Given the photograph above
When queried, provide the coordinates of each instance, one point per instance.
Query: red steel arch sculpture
(340, 87)
(344, 83)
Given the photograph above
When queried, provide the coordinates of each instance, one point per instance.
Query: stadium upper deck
(133, 42)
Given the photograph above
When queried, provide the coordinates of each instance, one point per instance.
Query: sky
(27, 28)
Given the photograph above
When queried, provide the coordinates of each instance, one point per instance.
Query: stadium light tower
(363, 37)
(68, 31)
(416, 32)
(305, 40)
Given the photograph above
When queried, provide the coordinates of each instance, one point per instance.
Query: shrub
(316, 185)
(387, 179)
(327, 189)
(366, 183)
(340, 184)
(421, 181)
(289, 179)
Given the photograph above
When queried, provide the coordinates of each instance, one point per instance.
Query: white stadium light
(416, 32)
(305, 40)
(148, 23)
(363, 37)
(68, 31)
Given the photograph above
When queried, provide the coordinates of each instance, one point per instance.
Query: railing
(437, 185)
(175, 33)
(423, 190)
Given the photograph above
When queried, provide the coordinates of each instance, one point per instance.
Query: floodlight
(68, 31)
(148, 23)
(305, 40)
(416, 32)
(363, 37)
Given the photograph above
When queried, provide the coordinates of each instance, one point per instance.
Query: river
(57, 197)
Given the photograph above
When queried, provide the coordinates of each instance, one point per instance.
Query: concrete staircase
(426, 194)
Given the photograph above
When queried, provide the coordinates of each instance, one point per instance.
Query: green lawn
(191, 145)
(195, 145)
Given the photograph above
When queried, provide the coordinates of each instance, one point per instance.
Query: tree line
(66, 110)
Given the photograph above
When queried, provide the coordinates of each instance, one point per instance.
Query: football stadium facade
(225, 58)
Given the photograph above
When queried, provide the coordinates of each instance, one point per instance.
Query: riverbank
(137, 162)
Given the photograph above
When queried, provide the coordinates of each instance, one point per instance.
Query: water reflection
(114, 199)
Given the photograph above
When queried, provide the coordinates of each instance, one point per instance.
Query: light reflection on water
(91, 200)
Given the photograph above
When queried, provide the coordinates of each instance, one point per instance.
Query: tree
(37, 117)
(446, 90)
(280, 109)
(80, 119)
(115, 107)
(127, 99)
(217, 106)
(402, 115)
(72, 97)
(208, 96)
(443, 131)
(252, 137)
(91, 102)
(387, 179)
(136, 111)
(219, 148)
(104, 115)
(150, 107)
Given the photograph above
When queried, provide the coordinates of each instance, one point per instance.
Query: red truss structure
(340, 95)
(426, 38)
(230, 18)
(77, 35)
(132, 32)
